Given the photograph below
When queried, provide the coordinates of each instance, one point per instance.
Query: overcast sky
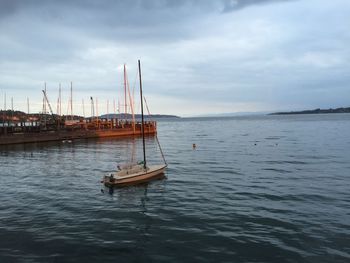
(198, 56)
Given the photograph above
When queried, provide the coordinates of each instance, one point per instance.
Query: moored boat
(137, 173)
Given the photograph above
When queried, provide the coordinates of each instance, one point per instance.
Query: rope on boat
(160, 148)
(161, 151)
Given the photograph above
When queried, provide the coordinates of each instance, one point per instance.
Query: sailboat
(141, 172)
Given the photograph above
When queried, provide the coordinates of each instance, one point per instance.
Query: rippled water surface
(255, 189)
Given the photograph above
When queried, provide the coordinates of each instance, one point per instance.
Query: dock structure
(20, 127)
(15, 129)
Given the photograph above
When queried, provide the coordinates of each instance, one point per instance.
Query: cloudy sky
(198, 56)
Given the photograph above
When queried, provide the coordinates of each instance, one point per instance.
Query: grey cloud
(7, 8)
(51, 40)
(233, 5)
(68, 23)
(128, 8)
(119, 20)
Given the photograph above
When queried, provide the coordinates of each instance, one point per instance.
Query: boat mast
(92, 110)
(28, 105)
(131, 100)
(12, 109)
(97, 117)
(125, 102)
(82, 104)
(71, 100)
(4, 114)
(44, 108)
(142, 120)
(60, 99)
(107, 110)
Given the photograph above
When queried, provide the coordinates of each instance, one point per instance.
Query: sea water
(254, 189)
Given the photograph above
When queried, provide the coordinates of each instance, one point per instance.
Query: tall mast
(125, 102)
(58, 107)
(131, 106)
(114, 122)
(97, 117)
(142, 120)
(4, 112)
(92, 109)
(60, 101)
(28, 104)
(71, 100)
(44, 106)
(107, 110)
(82, 103)
(11, 109)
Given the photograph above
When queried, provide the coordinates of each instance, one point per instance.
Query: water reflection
(126, 190)
(144, 199)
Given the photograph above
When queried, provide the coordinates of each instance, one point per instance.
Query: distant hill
(137, 116)
(17, 115)
(316, 111)
(231, 114)
(8, 114)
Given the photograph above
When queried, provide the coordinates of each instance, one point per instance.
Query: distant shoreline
(316, 111)
(138, 116)
(121, 116)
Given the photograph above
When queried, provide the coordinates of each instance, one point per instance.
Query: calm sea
(255, 189)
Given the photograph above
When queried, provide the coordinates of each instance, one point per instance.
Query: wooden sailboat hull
(153, 172)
